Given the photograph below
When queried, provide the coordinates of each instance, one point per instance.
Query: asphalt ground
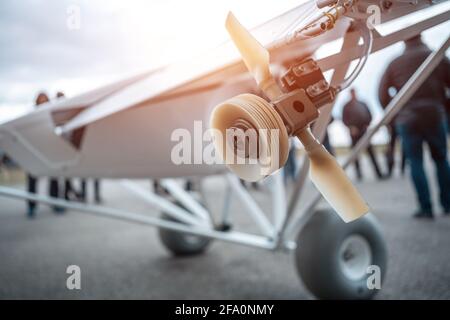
(121, 260)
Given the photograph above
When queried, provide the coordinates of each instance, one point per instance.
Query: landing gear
(182, 244)
(335, 259)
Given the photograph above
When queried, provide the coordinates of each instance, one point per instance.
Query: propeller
(326, 174)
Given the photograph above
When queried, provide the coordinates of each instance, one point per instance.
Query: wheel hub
(355, 255)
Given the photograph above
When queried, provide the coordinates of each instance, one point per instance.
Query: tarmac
(120, 260)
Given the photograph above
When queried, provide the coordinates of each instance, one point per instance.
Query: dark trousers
(53, 189)
(390, 153)
(32, 188)
(291, 165)
(83, 192)
(327, 144)
(68, 189)
(371, 153)
(435, 135)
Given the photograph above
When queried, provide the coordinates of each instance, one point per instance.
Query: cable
(317, 27)
(367, 36)
(304, 16)
(310, 14)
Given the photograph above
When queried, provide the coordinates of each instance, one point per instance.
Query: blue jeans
(413, 136)
(291, 165)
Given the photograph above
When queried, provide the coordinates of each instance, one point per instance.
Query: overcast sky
(42, 48)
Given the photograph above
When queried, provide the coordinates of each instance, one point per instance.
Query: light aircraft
(123, 131)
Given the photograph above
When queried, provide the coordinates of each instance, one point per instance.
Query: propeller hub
(241, 141)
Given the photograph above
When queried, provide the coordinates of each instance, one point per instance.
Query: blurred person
(357, 117)
(390, 153)
(393, 135)
(290, 168)
(32, 180)
(53, 186)
(69, 191)
(83, 193)
(422, 119)
(55, 190)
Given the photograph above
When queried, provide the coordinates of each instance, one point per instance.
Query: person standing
(69, 190)
(421, 120)
(356, 116)
(83, 192)
(55, 190)
(32, 181)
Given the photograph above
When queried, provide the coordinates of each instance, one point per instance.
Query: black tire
(182, 244)
(324, 255)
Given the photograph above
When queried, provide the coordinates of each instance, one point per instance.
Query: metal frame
(396, 104)
(276, 232)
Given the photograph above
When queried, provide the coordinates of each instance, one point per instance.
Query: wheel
(332, 257)
(182, 244)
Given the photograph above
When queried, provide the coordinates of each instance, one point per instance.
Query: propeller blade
(331, 180)
(255, 56)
